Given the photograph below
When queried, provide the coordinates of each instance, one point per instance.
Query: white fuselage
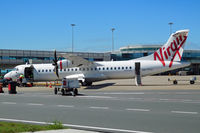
(98, 71)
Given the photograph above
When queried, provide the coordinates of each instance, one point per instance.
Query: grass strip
(15, 127)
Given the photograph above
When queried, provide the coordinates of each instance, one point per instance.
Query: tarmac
(112, 106)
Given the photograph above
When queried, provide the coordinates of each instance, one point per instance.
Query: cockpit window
(15, 69)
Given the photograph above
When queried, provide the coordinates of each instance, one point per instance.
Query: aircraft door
(28, 73)
(138, 80)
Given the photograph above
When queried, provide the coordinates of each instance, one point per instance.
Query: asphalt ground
(112, 106)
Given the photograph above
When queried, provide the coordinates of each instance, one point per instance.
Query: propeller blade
(55, 56)
(57, 72)
(55, 60)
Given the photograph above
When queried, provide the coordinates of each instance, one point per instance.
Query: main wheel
(192, 82)
(63, 91)
(175, 82)
(75, 91)
(55, 91)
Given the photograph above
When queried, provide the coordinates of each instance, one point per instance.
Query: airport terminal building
(10, 58)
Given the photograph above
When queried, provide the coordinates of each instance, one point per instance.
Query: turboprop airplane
(168, 57)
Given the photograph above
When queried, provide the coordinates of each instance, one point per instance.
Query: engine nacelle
(62, 64)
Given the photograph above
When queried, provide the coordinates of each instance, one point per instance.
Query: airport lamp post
(73, 37)
(112, 39)
(170, 27)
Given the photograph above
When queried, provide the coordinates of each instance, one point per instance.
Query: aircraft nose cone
(7, 75)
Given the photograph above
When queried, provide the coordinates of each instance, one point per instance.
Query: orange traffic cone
(50, 85)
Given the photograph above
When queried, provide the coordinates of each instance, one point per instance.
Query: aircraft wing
(77, 61)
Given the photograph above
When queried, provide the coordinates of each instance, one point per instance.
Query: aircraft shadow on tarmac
(99, 86)
(148, 84)
(70, 94)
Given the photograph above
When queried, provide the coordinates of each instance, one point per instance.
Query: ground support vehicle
(68, 86)
(191, 81)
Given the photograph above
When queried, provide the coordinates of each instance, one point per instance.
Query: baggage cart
(68, 86)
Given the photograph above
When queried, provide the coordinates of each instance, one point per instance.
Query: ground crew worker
(21, 77)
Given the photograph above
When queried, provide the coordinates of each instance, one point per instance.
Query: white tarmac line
(142, 110)
(186, 100)
(163, 99)
(78, 126)
(67, 106)
(99, 107)
(184, 112)
(123, 93)
(183, 93)
(103, 97)
(136, 98)
(35, 104)
(8, 103)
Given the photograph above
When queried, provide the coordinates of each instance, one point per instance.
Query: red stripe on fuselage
(61, 65)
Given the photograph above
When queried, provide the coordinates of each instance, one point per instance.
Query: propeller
(55, 60)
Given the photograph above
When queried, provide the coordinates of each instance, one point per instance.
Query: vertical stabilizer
(172, 50)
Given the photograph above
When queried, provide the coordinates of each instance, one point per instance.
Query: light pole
(73, 37)
(170, 27)
(112, 39)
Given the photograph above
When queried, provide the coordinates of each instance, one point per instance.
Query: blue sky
(45, 24)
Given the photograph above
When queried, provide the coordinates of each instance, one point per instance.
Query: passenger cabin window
(42, 70)
(126, 68)
(99, 68)
(38, 70)
(103, 68)
(91, 69)
(107, 68)
(64, 69)
(115, 68)
(49, 70)
(75, 69)
(111, 68)
(130, 67)
(118, 68)
(122, 68)
(95, 68)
